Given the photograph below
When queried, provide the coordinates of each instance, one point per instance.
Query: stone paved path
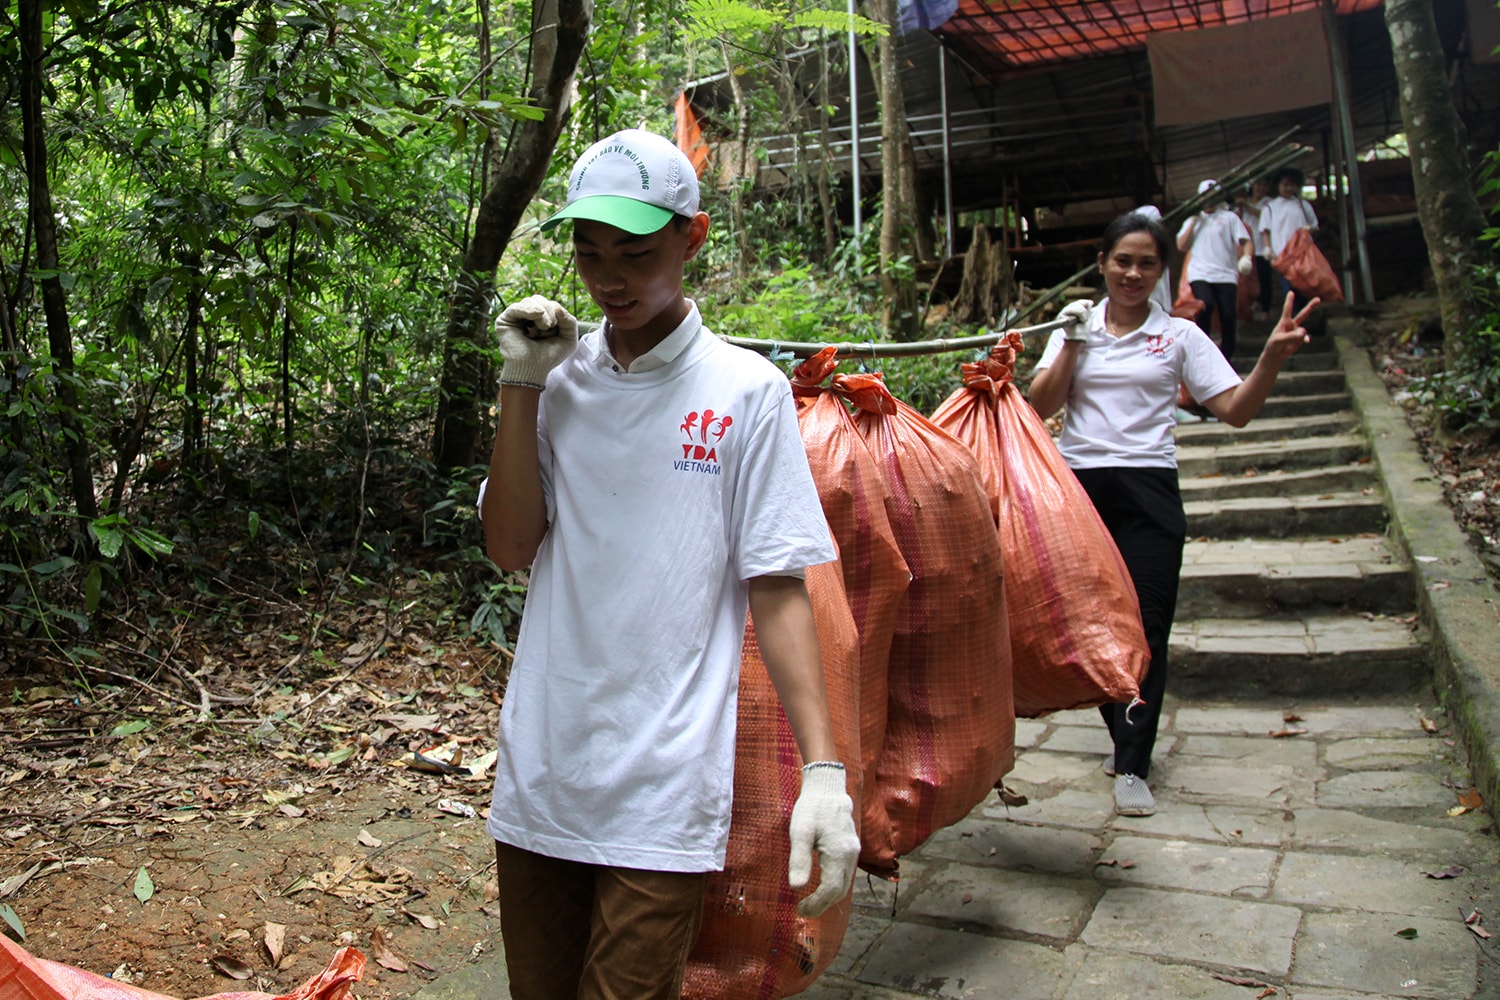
(1295, 864)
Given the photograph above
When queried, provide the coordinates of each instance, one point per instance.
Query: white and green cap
(633, 180)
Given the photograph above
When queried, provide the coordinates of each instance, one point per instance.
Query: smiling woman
(1118, 367)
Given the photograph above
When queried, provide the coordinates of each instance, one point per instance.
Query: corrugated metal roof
(999, 36)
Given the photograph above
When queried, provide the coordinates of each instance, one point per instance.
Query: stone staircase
(1290, 587)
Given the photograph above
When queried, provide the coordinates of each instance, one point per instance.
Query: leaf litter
(139, 835)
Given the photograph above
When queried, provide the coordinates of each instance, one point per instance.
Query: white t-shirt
(1250, 213)
(666, 490)
(1124, 392)
(1215, 247)
(1283, 217)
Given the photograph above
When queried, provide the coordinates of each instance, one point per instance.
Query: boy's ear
(697, 234)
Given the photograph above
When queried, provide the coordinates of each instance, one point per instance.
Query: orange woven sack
(1186, 305)
(1307, 270)
(23, 976)
(875, 575)
(950, 724)
(1075, 625)
(1247, 291)
(754, 945)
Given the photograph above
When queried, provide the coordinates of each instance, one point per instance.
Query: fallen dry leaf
(1428, 725)
(1239, 980)
(1288, 715)
(1474, 922)
(1289, 731)
(1010, 797)
(231, 967)
(427, 920)
(1453, 872)
(380, 951)
(275, 942)
(368, 839)
(1470, 799)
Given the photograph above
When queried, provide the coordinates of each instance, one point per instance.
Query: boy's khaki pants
(576, 931)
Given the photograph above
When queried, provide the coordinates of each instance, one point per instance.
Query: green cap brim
(635, 217)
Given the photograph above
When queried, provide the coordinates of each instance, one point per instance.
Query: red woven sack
(875, 576)
(754, 945)
(1075, 625)
(1186, 305)
(1307, 270)
(1246, 294)
(26, 977)
(950, 724)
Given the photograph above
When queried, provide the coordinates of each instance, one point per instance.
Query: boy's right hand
(535, 335)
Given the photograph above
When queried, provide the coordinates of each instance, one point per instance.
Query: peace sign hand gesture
(1289, 335)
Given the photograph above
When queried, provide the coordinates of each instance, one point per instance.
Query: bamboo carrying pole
(1272, 156)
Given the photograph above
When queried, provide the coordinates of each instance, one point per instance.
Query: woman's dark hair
(1284, 173)
(1135, 222)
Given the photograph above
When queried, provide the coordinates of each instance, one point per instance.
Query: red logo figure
(1157, 345)
(698, 427)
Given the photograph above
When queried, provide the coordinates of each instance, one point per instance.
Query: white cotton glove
(1076, 315)
(1244, 265)
(823, 821)
(535, 335)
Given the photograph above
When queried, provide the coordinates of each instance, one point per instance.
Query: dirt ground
(219, 812)
(293, 819)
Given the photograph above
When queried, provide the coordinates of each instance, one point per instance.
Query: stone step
(1310, 383)
(1276, 578)
(1267, 428)
(1294, 516)
(1250, 340)
(1303, 406)
(1305, 360)
(1324, 656)
(1356, 477)
(1297, 453)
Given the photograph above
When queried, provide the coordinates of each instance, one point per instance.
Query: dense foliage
(1463, 389)
(225, 384)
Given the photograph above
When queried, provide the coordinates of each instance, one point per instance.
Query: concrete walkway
(1316, 837)
(1277, 866)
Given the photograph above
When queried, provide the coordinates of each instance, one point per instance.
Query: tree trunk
(738, 181)
(1452, 220)
(521, 172)
(44, 224)
(825, 168)
(192, 411)
(287, 331)
(897, 283)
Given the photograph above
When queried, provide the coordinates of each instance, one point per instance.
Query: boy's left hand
(823, 821)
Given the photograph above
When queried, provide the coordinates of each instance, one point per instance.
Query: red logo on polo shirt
(1157, 344)
(704, 431)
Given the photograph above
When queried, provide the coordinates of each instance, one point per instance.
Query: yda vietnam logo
(704, 432)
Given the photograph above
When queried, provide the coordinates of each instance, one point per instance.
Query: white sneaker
(1132, 797)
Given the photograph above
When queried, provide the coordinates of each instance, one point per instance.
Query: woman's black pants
(1142, 509)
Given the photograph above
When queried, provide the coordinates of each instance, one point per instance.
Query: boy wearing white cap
(653, 478)
(1221, 254)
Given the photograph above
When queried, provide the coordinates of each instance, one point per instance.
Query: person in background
(1164, 292)
(1220, 248)
(654, 479)
(1116, 367)
(1250, 208)
(1281, 217)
